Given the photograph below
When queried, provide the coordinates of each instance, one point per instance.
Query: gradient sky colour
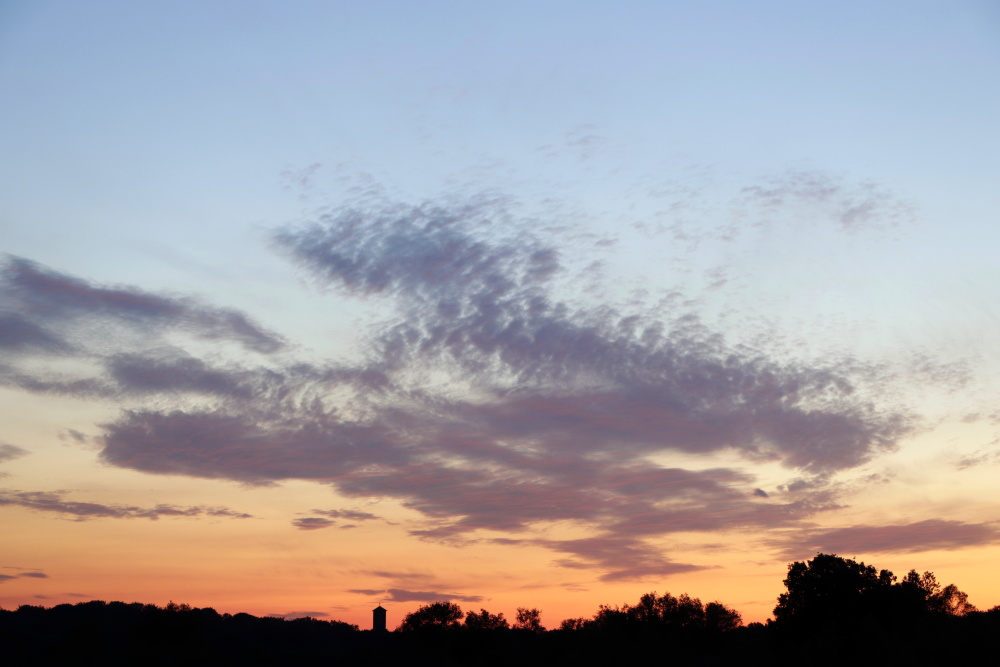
(307, 306)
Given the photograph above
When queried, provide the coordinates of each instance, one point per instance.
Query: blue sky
(801, 191)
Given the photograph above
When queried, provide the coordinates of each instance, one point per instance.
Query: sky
(307, 307)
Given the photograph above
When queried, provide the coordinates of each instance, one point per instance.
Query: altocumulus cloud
(549, 411)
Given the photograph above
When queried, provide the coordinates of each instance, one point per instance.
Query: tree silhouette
(433, 616)
(529, 619)
(720, 618)
(657, 615)
(950, 601)
(484, 620)
(833, 591)
(829, 589)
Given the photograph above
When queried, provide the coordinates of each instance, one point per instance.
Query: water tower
(378, 619)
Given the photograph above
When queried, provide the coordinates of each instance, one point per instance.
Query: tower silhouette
(378, 619)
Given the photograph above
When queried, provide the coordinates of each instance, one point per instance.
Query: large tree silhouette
(833, 591)
(829, 589)
(433, 616)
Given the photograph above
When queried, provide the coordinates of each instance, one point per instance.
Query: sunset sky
(310, 306)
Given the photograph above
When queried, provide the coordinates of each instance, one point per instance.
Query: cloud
(170, 371)
(224, 512)
(400, 595)
(45, 501)
(480, 306)
(312, 523)
(11, 452)
(75, 436)
(47, 310)
(928, 535)
(402, 576)
(486, 400)
(855, 206)
(351, 515)
(24, 573)
(300, 614)
(17, 334)
(249, 446)
(622, 558)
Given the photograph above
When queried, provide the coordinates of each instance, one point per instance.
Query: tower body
(378, 619)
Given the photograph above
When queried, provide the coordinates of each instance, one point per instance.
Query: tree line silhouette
(833, 610)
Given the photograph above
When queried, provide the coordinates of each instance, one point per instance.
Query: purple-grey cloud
(385, 574)
(23, 573)
(46, 501)
(10, 452)
(401, 595)
(312, 523)
(174, 373)
(482, 306)
(621, 558)
(562, 411)
(300, 614)
(350, 515)
(39, 305)
(18, 334)
(928, 535)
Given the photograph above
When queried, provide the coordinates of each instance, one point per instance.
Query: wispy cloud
(43, 305)
(928, 535)
(46, 501)
(10, 452)
(300, 614)
(621, 558)
(22, 573)
(400, 595)
(854, 205)
(350, 515)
